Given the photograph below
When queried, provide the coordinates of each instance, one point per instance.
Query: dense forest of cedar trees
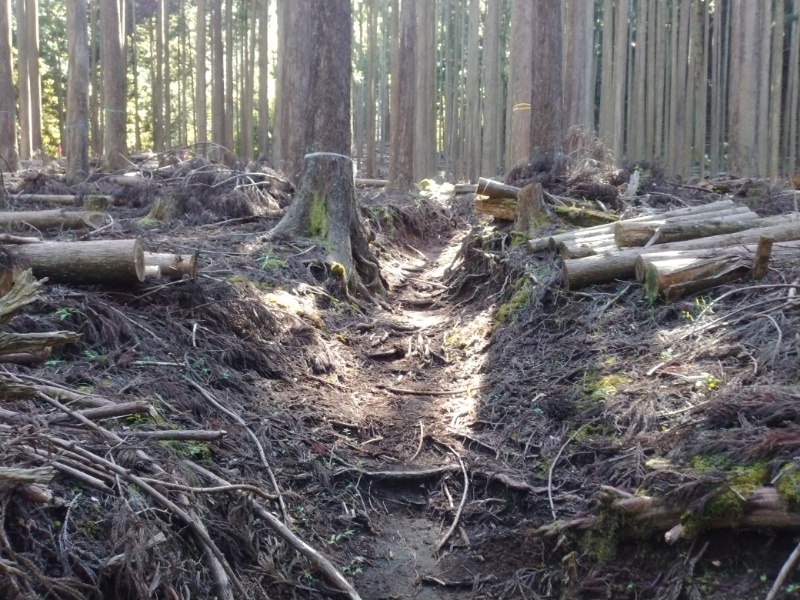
(700, 86)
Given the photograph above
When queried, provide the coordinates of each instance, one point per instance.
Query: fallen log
(170, 266)
(639, 234)
(500, 208)
(106, 261)
(496, 189)
(111, 411)
(90, 201)
(675, 274)
(581, 272)
(764, 509)
(371, 182)
(53, 219)
(465, 188)
(543, 243)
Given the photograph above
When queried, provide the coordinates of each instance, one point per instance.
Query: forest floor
(456, 446)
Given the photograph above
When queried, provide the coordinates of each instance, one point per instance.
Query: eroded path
(422, 383)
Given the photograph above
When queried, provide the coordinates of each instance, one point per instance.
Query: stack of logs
(116, 261)
(678, 252)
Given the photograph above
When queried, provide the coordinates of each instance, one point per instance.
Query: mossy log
(499, 208)
(587, 246)
(621, 264)
(550, 242)
(53, 219)
(170, 266)
(166, 207)
(584, 217)
(106, 261)
(325, 206)
(639, 234)
(764, 509)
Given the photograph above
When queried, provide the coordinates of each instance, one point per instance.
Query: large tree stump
(325, 206)
(532, 211)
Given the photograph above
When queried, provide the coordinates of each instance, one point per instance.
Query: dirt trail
(407, 516)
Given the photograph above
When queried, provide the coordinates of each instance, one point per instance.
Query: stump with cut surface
(325, 206)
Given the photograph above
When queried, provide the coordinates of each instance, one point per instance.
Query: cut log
(675, 274)
(496, 189)
(89, 202)
(170, 266)
(587, 247)
(764, 509)
(112, 411)
(106, 261)
(621, 265)
(542, 244)
(371, 182)
(465, 188)
(53, 219)
(638, 234)
(532, 211)
(584, 217)
(761, 260)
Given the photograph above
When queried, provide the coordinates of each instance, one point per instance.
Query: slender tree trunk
(95, 86)
(200, 106)
(606, 122)
(493, 97)
(248, 68)
(263, 79)
(229, 99)
(112, 17)
(519, 85)
(25, 146)
(790, 127)
(620, 76)
(77, 92)
(424, 162)
(449, 88)
(473, 93)
(217, 75)
(547, 128)
(776, 83)
(159, 95)
(34, 77)
(400, 158)
(578, 88)
(638, 111)
(135, 77)
(9, 154)
(743, 88)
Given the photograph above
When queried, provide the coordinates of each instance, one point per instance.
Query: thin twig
(411, 392)
(784, 573)
(333, 575)
(203, 392)
(450, 531)
(233, 487)
(550, 473)
(421, 439)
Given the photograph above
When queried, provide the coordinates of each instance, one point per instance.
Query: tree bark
(112, 15)
(325, 206)
(496, 189)
(401, 155)
(547, 115)
(493, 98)
(518, 123)
(200, 106)
(9, 152)
(424, 154)
(263, 79)
(77, 127)
(532, 212)
(107, 261)
(23, 82)
(218, 134)
(34, 77)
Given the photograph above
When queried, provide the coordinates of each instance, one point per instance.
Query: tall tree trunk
(518, 120)
(95, 85)
(9, 154)
(112, 16)
(776, 83)
(790, 127)
(263, 79)
(248, 72)
(607, 63)
(620, 76)
(200, 106)
(579, 53)
(217, 75)
(424, 161)
(137, 130)
(638, 110)
(372, 51)
(159, 93)
(473, 93)
(77, 91)
(547, 128)
(493, 96)
(400, 158)
(25, 146)
(34, 77)
(743, 87)
(229, 99)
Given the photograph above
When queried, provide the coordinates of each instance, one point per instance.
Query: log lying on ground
(371, 182)
(170, 266)
(465, 188)
(89, 202)
(674, 274)
(763, 510)
(500, 208)
(106, 261)
(54, 219)
(496, 189)
(543, 243)
(639, 234)
(506, 209)
(621, 265)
